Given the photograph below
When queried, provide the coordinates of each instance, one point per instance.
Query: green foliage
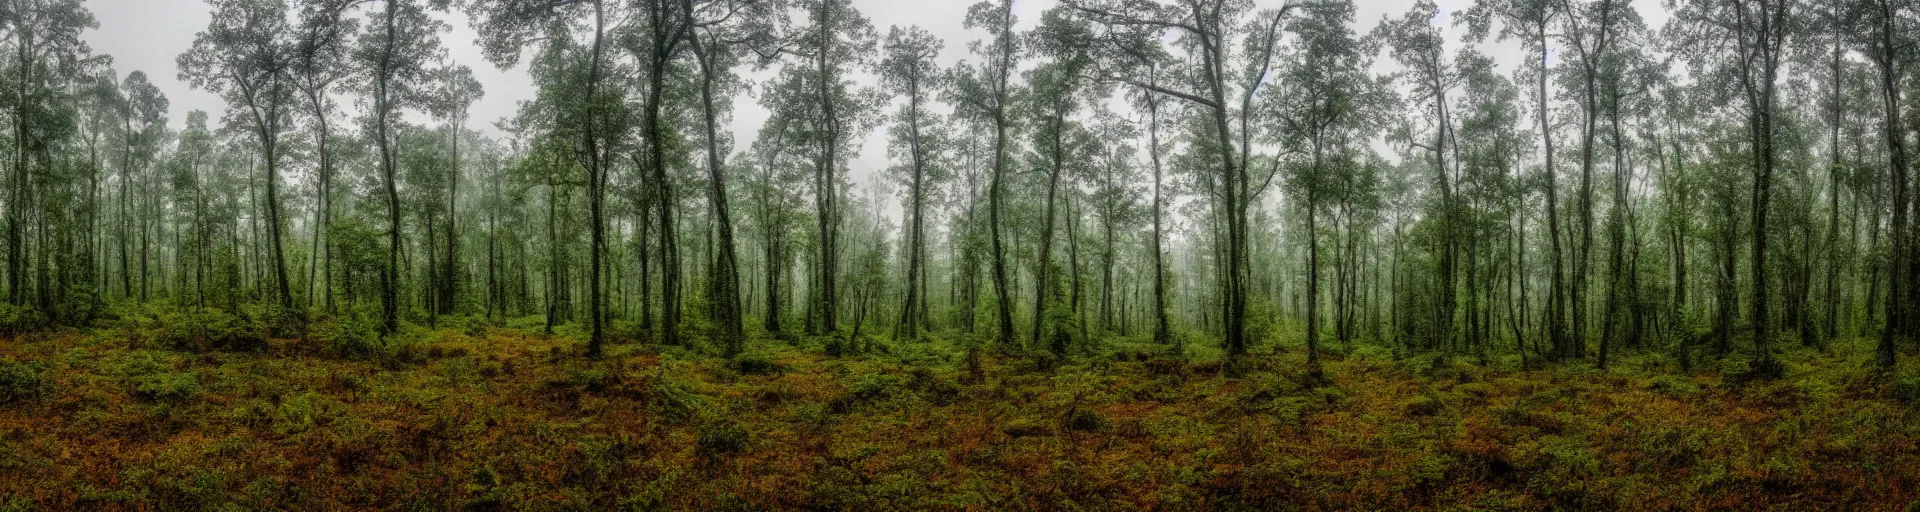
(20, 381)
(1907, 389)
(721, 437)
(170, 387)
(875, 387)
(151, 375)
(756, 364)
(1086, 421)
(353, 336)
(1673, 385)
(202, 329)
(302, 412)
(15, 320)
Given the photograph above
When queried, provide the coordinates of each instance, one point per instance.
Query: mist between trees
(1203, 174)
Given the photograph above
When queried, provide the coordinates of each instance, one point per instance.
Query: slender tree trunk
(1886, 58)
(726, 273)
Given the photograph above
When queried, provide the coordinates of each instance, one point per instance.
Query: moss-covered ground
(501, 418)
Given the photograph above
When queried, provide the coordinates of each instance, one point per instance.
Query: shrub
(720, 437)
(1672, 385)
(675, 401)
(17, 319)
(1907, 389)
(1086, 421)
(1022, 427)
(150, 376)
(757, 364)
(139, 363)
(302, 412)
(20, 381)
(1039, 362)
(171, 387)
(201, 329)
(1367, 352)
(934, 389)
(875, 387)
(353, 336)
(1423, 406)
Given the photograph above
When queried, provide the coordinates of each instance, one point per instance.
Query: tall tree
(395, 59)
(454, 90)
(144, 128)
(983, 94)
(1208, 28)
(1416, 43)
(245, 55)
(1742, 44)
(585, 120)
(908, 71)
(1890, 45)
(1059, 92)
(1325, 104)
(320, 61)
(1530, 20)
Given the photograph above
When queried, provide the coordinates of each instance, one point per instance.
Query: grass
(500, 419)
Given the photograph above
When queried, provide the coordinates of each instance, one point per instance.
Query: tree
(1530, 20)
(320, 61)
(837, 41)
(909, 71)
(453, 94)
(1742, 43)
(1889, 45)
(1416, 44)
(714, 54)
(395, 59)
(245, 55)
(586, 117)
(1209, 28)
(143, 120)
(982, 94)
(1326, 102)
(1058, 93)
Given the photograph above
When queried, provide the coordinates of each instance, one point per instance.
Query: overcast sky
(147, 35)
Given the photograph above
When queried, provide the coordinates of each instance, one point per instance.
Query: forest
(1117, 255)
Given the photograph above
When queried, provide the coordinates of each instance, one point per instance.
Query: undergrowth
(180, 412)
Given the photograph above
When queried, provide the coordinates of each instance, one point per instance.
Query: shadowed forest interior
(1116, 255)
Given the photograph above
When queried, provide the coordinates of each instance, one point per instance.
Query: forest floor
(485, 418)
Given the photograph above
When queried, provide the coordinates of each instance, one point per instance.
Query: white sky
(148, 34)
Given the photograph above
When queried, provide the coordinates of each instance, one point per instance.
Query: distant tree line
(1175, 171)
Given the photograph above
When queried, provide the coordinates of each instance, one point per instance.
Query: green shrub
(139, 363)
(1039, 362)
(202, 329)
(20, 381)
(1672, 385)
(150, 375)
(1086, 421)
(1367, 352)
(1907, 389)
(300, 413)
(1023, 427)
(170, 387)
(757, 364)
(1423, 405)
(934, 389)
(352, 336)
(15, 320)
(675, 401)
(875, 387)
(720, 437)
